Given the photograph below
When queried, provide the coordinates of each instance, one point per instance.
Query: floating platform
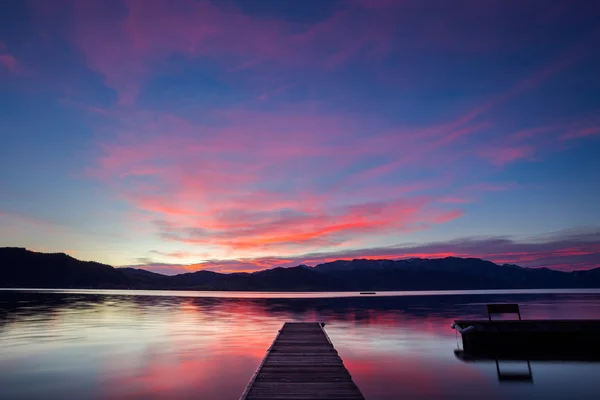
(532, 338)
(302, 364)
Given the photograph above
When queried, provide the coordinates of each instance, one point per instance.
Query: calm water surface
(184, 345)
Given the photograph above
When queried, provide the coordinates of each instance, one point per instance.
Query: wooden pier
(533, 339)
(302, 364)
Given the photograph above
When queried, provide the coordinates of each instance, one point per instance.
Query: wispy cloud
(563, 251)
(7, 60)
(128, 47)
(239, 134)
(254, 183)
(581, 133)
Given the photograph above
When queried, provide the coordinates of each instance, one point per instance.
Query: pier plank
(302, 364)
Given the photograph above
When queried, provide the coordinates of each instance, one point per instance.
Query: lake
(103, 344)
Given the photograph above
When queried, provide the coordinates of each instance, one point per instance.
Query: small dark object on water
(368, 292)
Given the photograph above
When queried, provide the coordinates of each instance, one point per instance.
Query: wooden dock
(532, 339)
(302, 364)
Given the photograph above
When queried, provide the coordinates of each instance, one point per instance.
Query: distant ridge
(21, 268)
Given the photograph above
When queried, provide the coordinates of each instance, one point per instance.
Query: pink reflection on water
(171, 375)
(100, 346)
(387, 377)
(206, 353)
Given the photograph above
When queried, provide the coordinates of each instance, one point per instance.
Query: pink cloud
(136, 40)
(508, 149)
(455, 200)
(565, 251)
(493, 187)
(562, 251)
(247, 179)
(221, 202)
(9, 62)
(249, 184)
(500, 156)
(272, 230)
(272, 93)
(448, 216)
(245, 182)
(128, 48)
(531, 143)
(581, 133)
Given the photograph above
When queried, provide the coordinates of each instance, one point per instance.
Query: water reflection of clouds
(125, 347)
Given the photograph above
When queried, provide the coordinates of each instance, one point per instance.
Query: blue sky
(238, 136)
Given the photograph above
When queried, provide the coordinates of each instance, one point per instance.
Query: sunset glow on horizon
(235, 135)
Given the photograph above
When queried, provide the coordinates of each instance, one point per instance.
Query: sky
(239, 135)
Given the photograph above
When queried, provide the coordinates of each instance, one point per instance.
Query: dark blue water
(114, 345)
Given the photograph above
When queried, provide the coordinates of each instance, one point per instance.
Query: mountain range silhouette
(21, 268)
